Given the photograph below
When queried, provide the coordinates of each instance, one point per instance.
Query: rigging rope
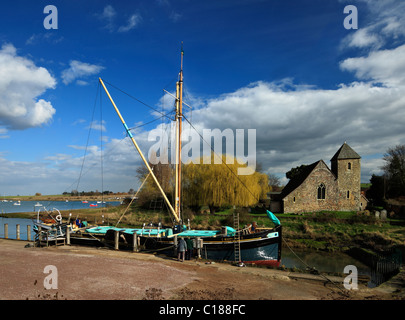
(312, 268)
(132, 97)
(88, 137)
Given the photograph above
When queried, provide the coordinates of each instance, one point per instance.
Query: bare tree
(394, 170)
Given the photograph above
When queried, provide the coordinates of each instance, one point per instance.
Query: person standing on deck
(181, 249)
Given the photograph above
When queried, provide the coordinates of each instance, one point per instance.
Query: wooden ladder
(236, 242)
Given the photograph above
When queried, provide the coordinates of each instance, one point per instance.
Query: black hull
(260, 248)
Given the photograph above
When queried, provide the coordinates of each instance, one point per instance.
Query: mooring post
(18, 232)
(135, 242)
(28, 233)
(116, 239)
(39, 236)
(67, 235)
(175, 245)
(6, 231)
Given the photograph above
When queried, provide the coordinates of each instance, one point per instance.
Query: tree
(376, 192)
(218, 185)
(394, 170)
(150, 192)
(294, 172)
(274, 182)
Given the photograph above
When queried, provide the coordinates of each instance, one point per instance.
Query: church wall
(305, 197)
(349, 184)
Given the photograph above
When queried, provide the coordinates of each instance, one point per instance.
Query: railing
(385, 266)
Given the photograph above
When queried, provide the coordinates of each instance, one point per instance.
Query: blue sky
(288, 69)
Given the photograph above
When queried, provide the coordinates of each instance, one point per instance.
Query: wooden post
(135, 242)
(18, 232)
(175, 245)
(116, 239)
(28, 233)
(6, 231)
(39, 236)
(67, 235)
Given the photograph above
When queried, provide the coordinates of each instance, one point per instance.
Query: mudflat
(86, 273)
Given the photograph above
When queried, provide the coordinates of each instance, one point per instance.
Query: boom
(176, 217)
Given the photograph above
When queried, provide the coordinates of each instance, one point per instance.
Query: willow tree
(218, 185)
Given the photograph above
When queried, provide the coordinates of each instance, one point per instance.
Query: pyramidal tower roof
(345, 152)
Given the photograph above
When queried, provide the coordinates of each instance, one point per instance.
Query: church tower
(345, 165)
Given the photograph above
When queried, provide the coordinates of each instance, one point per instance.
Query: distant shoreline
(61, 197)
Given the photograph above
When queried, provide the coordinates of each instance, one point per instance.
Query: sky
(289, 69)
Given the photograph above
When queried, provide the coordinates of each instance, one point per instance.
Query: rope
(320, 274)
(133, 198)
(132, 97)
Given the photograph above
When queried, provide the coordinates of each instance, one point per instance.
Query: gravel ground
(85, 273)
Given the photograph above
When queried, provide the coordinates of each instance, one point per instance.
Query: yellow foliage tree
(219, 185)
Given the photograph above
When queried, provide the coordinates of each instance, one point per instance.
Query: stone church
(318, 188)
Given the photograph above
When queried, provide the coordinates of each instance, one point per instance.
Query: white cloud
(297, 127)
(384, 22)
(47, 37)
(3, 133)
(109, 17)
(384, 66)
(21, 83)
(97, 125)
(108, 13)
(364, 37)
(78, 69)
(133, 21)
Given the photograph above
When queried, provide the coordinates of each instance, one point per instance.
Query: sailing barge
(260, 247)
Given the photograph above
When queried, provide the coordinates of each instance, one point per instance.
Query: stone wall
(348, 179)
(305, 197)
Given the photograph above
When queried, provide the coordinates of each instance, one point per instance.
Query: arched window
(321, 192)
(349, 166)
(348, 194)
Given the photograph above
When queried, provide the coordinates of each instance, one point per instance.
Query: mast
(140, 153)
(179, 117)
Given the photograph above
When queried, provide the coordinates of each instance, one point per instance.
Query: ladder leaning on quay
(236, 242)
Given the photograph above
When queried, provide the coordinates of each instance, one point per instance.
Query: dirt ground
(85, 273)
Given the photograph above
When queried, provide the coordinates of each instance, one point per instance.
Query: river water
(321, 261)
(34, 206)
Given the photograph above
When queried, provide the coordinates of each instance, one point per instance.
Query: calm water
(30, 206)
(321, 261)
(12, 229)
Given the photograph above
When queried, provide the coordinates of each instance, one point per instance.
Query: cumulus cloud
(109, 17)
(78, 69)
(296, 127)
(299, 124)
(132, 22)
(21, 83)
(385, 22)
(384, 66)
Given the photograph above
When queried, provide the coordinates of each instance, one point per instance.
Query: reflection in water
(321, 261)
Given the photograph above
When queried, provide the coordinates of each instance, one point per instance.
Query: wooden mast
(179, 117)
(140, 153)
